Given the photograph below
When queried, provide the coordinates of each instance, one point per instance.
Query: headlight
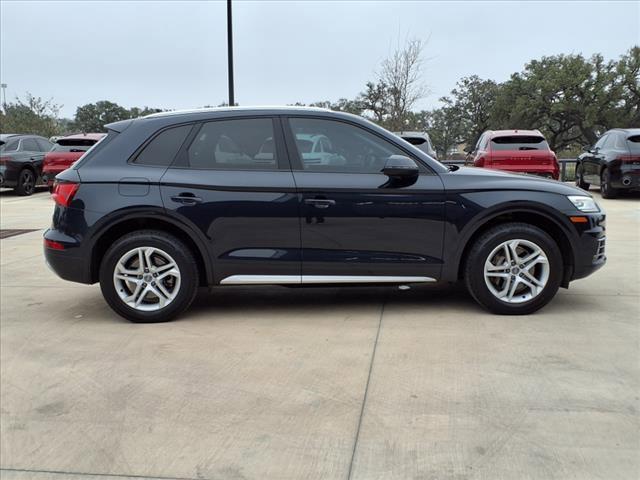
(584, 204)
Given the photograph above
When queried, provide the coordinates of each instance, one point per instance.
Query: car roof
(518, 132)
(627, 131)
(263, 108)
(83, 136)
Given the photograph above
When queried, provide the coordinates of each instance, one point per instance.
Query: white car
(317, 150)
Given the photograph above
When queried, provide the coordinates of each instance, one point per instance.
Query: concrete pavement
(275, 383)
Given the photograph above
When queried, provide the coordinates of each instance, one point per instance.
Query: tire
(129, 289)
(486, 286)
(606, 190)
(580, 183)
(26, 183)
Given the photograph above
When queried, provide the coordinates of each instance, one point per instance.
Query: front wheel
(149, 276)
(514, 269)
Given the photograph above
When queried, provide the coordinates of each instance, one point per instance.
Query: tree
(445, 128)
(571, 99)
(375, 99)
(402, 75)
(471, 102)
(33, 115)
(94, 116)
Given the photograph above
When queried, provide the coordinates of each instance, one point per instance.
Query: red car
(65, 151)
(522, 151)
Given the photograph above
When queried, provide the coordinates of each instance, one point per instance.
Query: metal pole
(230, 53)
(4, 97)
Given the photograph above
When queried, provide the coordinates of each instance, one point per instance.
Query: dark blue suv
(295, 196)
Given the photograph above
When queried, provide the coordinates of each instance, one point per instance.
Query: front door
(233, 183)
(356, 226)
(591, 162)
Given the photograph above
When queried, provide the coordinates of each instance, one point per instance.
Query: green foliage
(33, 115)
(92, 117)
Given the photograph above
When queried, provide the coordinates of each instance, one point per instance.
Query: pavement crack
(97, 475)
(366, 392)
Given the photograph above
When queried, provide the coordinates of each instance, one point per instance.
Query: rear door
(33, 154)
(232, 181)
(594, 158)
(356, 226)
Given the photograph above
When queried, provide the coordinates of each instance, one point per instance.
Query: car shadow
(256, 299)
(9, 192)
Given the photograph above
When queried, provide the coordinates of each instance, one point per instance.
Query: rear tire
(513, 269)
(580, 183)
(149, 276)
(26, 183)
(606, 190)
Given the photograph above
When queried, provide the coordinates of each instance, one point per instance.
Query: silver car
(421, 140)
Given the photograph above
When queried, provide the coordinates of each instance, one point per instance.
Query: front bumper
(590, 246)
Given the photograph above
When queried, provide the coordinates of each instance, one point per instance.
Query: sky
(172, 54)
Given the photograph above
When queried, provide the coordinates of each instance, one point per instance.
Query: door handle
(186, 199)
(320, 202)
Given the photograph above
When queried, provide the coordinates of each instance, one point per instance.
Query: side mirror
(399, 166)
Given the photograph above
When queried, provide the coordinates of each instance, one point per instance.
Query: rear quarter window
(162, 149)
(633, 142)
(519, 142)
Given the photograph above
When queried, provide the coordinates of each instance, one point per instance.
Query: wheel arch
(542, 220)
(145, 221)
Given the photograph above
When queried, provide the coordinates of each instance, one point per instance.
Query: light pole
(4, 96)
(230, 53)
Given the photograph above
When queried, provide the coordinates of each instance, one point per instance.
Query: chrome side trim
(363, 279)
(318, 279)
(260, 279)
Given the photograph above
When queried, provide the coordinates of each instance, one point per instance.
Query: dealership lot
(362, 383)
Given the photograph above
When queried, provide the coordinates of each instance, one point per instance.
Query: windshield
(519, 142)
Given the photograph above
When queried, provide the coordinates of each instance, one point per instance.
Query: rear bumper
(626, 179)
(549, 171)
(69, 263)
(49, 174)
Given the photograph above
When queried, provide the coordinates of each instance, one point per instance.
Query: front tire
(513, 269)
(26, 183)
(606, 190)
(149, 276)
(580, 183)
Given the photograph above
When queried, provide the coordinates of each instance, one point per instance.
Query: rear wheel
(606, 190)
(149, 276)
(26, 182)
(514, 269)
(580, 183)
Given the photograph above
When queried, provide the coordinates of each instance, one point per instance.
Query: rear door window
(162, 149)
(30, 145)
(236, 144)
(519, 142)
(9, 146)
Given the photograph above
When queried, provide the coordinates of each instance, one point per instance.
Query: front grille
(600, 250)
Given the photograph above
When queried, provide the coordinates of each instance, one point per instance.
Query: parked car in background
(159, 208)
(613, 163)
(65, 151)
(21, 158)
(421, 140)
(519, 151)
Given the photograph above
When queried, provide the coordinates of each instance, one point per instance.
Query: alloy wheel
(516, 271)
(147, 279)
(27, 181)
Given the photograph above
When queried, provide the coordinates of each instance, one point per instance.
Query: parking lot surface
(327, 383)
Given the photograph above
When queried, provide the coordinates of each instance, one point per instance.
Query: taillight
(4, 160)
(53, 245)
(63, 192)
